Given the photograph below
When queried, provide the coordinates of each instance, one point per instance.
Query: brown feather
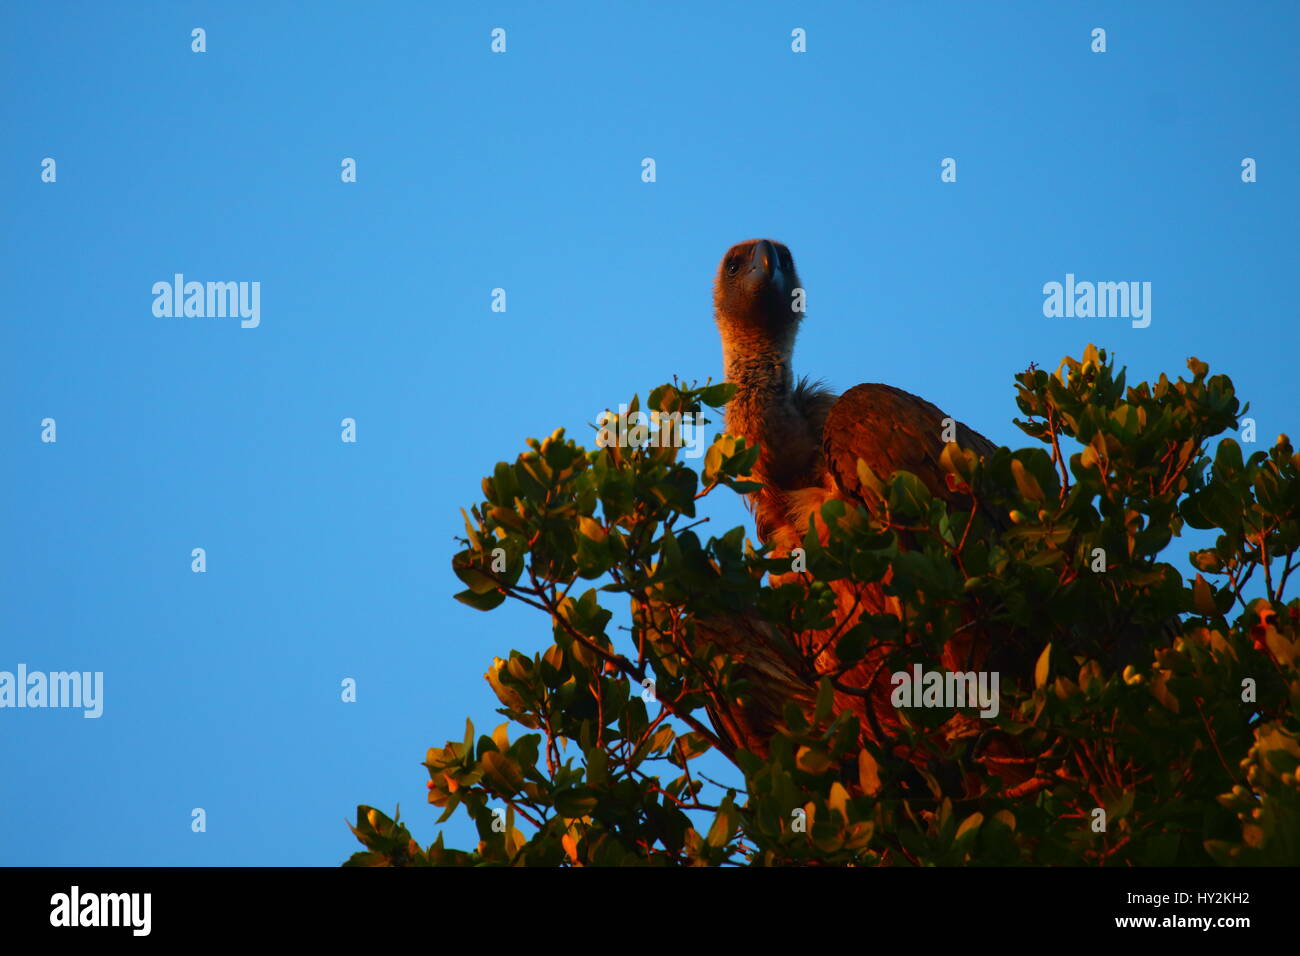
(893, 430)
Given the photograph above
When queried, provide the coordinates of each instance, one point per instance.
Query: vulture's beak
(765, 266)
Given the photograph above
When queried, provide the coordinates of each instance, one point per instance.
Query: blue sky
(522, 171)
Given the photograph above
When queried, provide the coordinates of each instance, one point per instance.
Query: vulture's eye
(733, 265)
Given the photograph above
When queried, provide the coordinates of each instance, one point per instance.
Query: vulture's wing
(891, 430)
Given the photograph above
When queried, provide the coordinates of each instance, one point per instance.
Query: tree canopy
(1148, 711)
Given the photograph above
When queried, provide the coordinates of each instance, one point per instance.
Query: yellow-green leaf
(1042, 667)
(868, 773)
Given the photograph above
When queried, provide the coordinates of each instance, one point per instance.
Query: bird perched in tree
(811, 441)
(810, 438)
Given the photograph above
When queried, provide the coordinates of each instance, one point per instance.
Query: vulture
(810, 438)
(810, 442)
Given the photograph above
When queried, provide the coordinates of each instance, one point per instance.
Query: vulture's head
(756, 288)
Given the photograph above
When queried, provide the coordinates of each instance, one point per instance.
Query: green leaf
(908, 494)
(970, 825)
(715, 396)
(813, 760)
(853, 645)
(1203, 598)
(1042, 667)
(481, 602)
(724, 824)
(575, 802)
(825, 699)
(1025, 482)
(868, 773)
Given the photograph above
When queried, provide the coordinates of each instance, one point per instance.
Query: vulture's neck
(758, 365)
(764, 409)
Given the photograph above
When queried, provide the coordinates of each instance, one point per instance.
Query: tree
(1142, 718)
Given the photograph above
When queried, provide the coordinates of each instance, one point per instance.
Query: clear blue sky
(329, 560)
